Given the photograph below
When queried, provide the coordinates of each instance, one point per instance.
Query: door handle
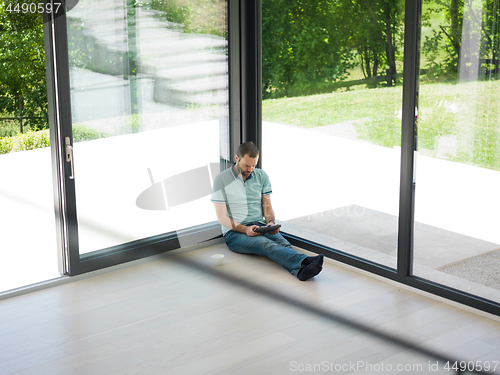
(69, 157)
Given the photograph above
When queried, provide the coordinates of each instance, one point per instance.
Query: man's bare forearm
(270, 217)
(231, 224)
(268, 214)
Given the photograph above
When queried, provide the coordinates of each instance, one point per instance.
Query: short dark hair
(247, 148)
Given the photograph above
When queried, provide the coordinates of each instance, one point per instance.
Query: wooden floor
(179, 314)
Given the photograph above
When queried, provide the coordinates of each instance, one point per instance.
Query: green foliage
(441, 49)
(8, 128)
(376, 29)
(83, 133)
(39, 139)
(304, 49)
(6, 144)
(445, 47)
(308, 46)
(31, 140)
(208, 17)
(175, 12)
(195, 16)
(24, 142)
(23, 90)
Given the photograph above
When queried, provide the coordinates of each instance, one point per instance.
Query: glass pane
(332, 100)
(457, 240)
(28, 250)
(149, 100)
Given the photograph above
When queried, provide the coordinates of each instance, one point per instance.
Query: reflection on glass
(457, 240)
(149, 100)
(332, 104)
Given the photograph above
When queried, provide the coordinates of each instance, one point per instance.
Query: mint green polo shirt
(243, 199)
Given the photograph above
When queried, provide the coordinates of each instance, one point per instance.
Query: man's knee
(282, 241)
(272, 245)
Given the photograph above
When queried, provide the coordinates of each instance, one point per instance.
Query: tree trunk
(375, 65)
(21, 105)
(366, 53)
(390, 50)
(455, 26)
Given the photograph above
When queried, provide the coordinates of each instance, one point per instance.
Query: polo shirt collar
(236, 177)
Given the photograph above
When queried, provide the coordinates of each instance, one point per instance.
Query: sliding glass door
(148, 98)
(144, 125)
(332, 102)
(381, 137)
(457, 241)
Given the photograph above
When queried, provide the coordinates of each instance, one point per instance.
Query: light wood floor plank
(180, 314)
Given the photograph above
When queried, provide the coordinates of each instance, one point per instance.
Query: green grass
(374, 111)
(468, 114)
(326, 109)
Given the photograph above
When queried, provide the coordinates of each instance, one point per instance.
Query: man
(242, 199)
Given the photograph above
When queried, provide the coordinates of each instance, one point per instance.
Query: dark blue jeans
(273, 246)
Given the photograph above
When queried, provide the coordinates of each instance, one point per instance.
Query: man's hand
(249, 231)
(270, 224)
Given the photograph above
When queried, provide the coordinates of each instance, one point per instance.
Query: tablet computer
(267, 229)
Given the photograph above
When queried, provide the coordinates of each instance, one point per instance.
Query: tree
(377, 29)
(304, 47)
(23, 88)
(309, 45)
(446, 37)
(463, 20)
(367, 35)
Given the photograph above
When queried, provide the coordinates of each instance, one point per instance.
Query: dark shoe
(311, 269)
(309, 260)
